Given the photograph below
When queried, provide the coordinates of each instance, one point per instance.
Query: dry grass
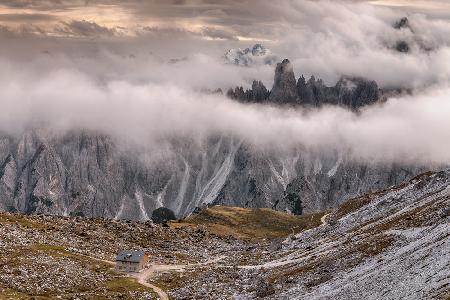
(374, 245)
(250, 224)
(293, 271)
(351, 205)
(9, 294)
(22, 221)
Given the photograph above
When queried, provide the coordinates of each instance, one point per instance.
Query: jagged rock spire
(352, 92)
(285, 86)
(402, 23)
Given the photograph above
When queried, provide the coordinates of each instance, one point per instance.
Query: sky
(135, 70)
(320, 37)
(247, 20)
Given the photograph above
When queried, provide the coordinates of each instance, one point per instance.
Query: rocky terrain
(44, 257)
(390, 244)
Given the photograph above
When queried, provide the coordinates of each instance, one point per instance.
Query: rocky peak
(402, 23)
(351, 92)
(259, 50)
(312, 80)
(256, 55)
(284, 87)
(260, 92)
(257, 94)
(356, 91)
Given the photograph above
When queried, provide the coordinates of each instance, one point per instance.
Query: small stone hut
(131, 261)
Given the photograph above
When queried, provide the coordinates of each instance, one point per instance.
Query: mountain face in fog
(351, 92)
(88, 175)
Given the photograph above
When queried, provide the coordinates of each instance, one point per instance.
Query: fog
(412, 129)
(129, 88)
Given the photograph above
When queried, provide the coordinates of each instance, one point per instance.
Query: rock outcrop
(284, 90)
(403, 23)
(350, 92)
(257, 94)
(256, 55)
(409, 38)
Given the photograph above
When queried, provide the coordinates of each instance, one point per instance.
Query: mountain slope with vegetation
(390, 244)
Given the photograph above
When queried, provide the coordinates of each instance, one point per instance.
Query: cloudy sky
(133, 69)
(323, 38)
(246, 20)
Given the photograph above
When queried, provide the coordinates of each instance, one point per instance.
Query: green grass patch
(125, 284)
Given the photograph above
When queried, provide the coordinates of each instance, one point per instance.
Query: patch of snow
(257, 55)
(277, 175)
(317, 166)
(160, 197)
(334, 169)
(212, 189)
(121, 208)
(141, 205)
(183, 186)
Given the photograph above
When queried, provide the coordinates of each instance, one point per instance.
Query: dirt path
(324, 219)
(153, 270)
(146, 274)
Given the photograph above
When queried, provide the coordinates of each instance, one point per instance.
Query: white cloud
(411, 129)
(124, 87)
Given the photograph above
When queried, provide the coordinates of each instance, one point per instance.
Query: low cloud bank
(412, 129)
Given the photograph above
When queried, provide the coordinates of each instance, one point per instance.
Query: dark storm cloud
(22, 32)
(26, 18)
(218, 34)
(84, 29)
(323, 38)
(229, 19)
(43, 4)
(221, 19)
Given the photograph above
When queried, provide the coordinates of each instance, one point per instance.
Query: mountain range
(350, 92)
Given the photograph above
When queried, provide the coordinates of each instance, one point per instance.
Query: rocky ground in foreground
(46, 257)
(393, 244)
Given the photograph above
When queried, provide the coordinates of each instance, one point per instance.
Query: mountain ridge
(349, 92)
(86, 174)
